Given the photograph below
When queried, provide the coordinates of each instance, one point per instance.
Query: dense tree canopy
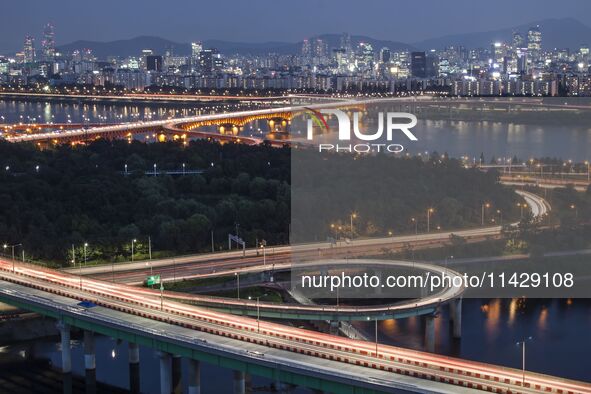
(107, 195)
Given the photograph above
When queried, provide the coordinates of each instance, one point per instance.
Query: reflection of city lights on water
(543, 318)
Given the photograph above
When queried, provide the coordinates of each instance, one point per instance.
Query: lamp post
(416, 222)
(429, 212)
(133, 241)
(6, 246)
(574, 207)
(353, 216)
(85, 246)
(500, 213)
(522, 344)
(263, 246)
(258, 311)
(521, 206)
(237, 275)
(376, 333)
(150, 247)
(485, 205)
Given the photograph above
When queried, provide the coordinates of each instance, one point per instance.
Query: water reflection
(559, 328)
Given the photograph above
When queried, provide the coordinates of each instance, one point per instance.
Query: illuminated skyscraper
(518, 41)
(306, 48)
(48, 43)
(29, 49)
(534, 42)
(418, 64)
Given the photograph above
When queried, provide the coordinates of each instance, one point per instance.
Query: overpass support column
(430, 333)
(334, 327)
(239, 382)
(89, 354)
(165, 372)
(134, 367)
(194, 377)
(65, 342)
(89, 362)
(456, 317)
(176, 374)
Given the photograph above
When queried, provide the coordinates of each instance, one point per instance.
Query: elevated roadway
(315, 360)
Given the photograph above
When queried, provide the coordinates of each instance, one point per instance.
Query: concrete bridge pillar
(456, 317)
(134, 368)
(239, 382)
(430, 333)
(248, 382)
(176, 374)
(64, 330)
(334, 327)
(89, 362)
(165, 372)
(89, 354)
(194, 377)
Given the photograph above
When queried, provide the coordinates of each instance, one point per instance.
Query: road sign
(153, 280)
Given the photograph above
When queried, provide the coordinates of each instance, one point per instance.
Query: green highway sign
(153, 280)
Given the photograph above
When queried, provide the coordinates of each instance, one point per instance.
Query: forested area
(105, 194)
(345, 195)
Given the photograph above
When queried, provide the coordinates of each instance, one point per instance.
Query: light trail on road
(397, 360)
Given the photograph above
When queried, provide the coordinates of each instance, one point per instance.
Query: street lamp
(133, 241)
(500, 213)
(85, 246)
(376, 325)
(522, 344)
(258, 311)
(353, 216)
(237, 275)
(485, 205)
(574, 207)
(416, 222)
(6, 246)
(520, 205)
(263, 246)
(429, 212)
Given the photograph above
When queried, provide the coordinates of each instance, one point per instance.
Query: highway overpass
(290, 355)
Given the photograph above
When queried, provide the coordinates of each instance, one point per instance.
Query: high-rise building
(29, 49)
(518, 41)
(346, 42)
(48, 43)
(321, 48)
(385, 55)
(206, 60)
(418, 64)
(306, 48)
(534, 42)
(196, 48)
(154, 63)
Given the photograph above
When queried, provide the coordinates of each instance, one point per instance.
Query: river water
(456, 137)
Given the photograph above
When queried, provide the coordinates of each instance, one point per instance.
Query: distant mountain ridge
(556, 33)
(134, 46)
